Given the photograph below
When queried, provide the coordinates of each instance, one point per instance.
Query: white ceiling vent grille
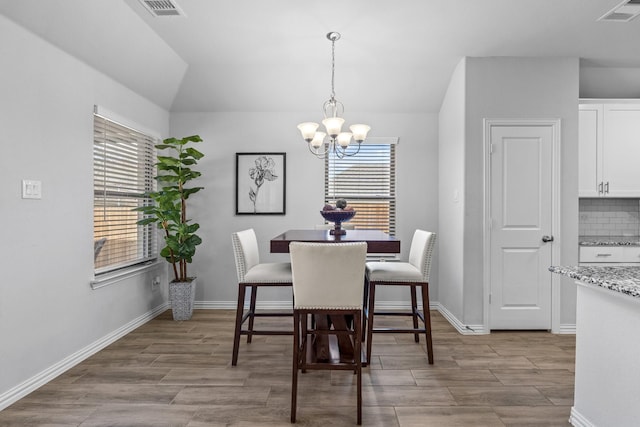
(161, 8)
(624, 12)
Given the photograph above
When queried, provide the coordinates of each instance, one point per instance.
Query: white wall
(609, 82)
(48, 311)
(520, 88)
(225, 134)
(451, 162)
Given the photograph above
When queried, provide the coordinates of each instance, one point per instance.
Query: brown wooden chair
(253, 274)
(413, 274)
(338, 295)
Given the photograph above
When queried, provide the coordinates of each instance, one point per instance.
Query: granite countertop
(609, 240)
(625, 280)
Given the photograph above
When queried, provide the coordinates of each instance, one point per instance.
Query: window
(123, 170)
(368, 182)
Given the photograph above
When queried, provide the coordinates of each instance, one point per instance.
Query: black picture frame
(261, 180)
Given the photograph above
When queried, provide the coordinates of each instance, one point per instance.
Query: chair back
(421, 252)
(245, 251)
(328, 275)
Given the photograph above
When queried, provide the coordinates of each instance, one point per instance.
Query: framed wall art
(261, 183)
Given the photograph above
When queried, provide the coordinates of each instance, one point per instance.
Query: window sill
(116, 276)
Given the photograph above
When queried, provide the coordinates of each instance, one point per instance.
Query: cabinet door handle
(603, 254)
(606, 188)
(600, 188)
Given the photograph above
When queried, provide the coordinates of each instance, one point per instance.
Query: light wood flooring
(169, 373)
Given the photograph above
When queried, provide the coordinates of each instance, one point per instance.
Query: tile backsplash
(609, 217)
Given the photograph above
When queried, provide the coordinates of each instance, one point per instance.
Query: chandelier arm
(341, 153)
(318, 153)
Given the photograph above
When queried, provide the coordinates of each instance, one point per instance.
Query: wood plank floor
(169, 373)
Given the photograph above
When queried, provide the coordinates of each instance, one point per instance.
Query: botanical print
(264, 169)
(261, 183)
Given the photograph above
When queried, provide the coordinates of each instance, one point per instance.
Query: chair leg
(295, 365)
(365, 305)
(369, 319)
(303, 341)
(252, 311)
(358, 359)
(427, 321)
(414, 312)
(239, 313)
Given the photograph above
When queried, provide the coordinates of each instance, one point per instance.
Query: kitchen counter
(607, 345)
(609, 241)
(625, 280)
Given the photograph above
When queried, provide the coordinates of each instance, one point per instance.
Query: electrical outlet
(155, 283)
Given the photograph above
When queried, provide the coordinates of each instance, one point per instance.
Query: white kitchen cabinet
(609, 149)
(614, 255)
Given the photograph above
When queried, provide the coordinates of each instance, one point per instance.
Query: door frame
(488, 124)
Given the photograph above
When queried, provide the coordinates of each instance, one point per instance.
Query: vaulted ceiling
(272, 55)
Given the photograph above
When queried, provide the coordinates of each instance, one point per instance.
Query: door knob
(547, 239)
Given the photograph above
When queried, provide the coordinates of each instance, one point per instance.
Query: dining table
(378, 242)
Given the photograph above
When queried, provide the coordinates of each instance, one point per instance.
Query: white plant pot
(182, 296)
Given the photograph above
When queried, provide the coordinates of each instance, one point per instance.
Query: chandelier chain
(333, 68)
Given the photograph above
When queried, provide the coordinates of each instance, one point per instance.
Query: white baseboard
(381, 305)
(18, 392)
(567, 328)
(578, 420)
(461, 327)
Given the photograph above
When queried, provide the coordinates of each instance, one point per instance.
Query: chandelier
(321, 144)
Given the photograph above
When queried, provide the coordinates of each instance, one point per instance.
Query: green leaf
(194, 153)
(147, 221)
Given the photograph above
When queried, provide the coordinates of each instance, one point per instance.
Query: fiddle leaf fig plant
(169, 211)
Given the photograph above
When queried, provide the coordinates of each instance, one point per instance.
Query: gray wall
(48, 311)
(451, 203)
(225, 134)
(509, 88)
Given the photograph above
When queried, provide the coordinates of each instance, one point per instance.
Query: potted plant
(169, 212)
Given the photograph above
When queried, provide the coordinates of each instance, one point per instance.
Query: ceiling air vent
(624, 12)
(160, 8)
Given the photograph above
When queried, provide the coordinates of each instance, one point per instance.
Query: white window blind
(123, 170)
(368, 182)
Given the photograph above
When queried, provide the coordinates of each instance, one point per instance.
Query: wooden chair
(328, 280)
(253, 274)
(413, 274)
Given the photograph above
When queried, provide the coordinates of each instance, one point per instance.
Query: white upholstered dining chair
(254, 274)
(339, 294)
(413, 274)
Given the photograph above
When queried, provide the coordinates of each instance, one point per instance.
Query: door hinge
(489, 298)
(491, 148)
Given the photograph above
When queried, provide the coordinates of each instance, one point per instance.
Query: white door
(521, 167)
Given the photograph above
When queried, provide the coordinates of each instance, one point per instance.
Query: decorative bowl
(338, 217)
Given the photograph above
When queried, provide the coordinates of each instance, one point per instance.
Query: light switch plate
(31, 189)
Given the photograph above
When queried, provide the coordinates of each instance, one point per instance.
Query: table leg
(321, 343)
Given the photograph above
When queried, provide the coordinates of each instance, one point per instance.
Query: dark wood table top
(377, 241)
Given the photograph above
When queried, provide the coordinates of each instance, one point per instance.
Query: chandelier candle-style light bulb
(359, 132)
(318, 139)
(333, 125)
(338, 142)
(308, 130)
(344, 139)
